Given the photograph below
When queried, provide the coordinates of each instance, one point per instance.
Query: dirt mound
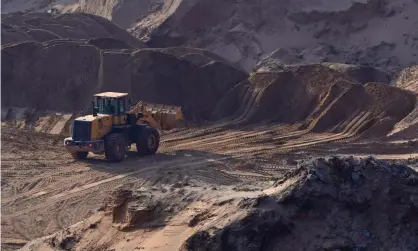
(47, 76)
(408, 79)
(408, 127)
(316, 97)
(69, 57)
(62, 75)
(243, 32)
(372, 32)
(330, 204)
(18, 27)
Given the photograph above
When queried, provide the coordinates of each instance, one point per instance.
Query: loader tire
(80, 155)
(148, 141)
(115, 147)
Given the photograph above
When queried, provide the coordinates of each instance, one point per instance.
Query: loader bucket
(168, 116)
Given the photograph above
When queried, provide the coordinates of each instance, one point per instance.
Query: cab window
(122, 106)
(106, 105)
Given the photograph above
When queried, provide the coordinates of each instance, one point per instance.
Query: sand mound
(371, 32)
(408, 127)
(59, 61)
(316, 97)
(408, 79)
(18, 27)
(47, 76)
(243, 32)
(62, 75)
(334, 204)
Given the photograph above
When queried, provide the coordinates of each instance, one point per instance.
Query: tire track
(118, 179)
(348, 133)
(69, 176)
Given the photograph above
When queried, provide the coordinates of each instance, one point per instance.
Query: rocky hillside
(370, 32)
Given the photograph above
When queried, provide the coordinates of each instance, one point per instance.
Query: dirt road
(44, 190)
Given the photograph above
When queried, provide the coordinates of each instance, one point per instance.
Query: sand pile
(41, 27)
(357, 32)
(57, 62)
(62, 75)
(370, 32)
(408, 127)
(317, 98)
(408, 79)
(330, 204)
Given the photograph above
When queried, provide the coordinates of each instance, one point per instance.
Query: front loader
(112, 128)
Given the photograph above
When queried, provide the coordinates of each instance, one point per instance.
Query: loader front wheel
(115, 147)
(80, 155)
(148, 141)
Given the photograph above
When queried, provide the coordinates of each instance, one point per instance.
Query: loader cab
(112, 103)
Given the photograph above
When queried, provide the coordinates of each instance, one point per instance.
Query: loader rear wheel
(148, 141)
(80, 155)
(115, 147)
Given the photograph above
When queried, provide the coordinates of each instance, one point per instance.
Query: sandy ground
(198, 173)
(44, 190)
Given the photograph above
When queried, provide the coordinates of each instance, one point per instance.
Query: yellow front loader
(115, 125)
